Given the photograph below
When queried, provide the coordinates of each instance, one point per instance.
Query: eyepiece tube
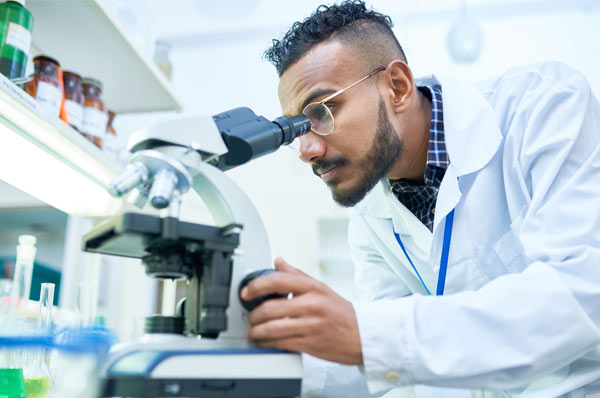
(248, 136)
(293, 127)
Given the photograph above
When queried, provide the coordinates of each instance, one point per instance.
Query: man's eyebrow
(315, 94)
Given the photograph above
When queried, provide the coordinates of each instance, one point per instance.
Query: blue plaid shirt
(419, 197)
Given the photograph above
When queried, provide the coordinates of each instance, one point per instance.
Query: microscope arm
(229, 204)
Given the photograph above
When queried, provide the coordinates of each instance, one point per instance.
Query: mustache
(322, 166)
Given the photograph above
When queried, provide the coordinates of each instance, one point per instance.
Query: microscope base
(152, 372)
(208, 388)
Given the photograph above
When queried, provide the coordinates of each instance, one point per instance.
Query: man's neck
(413, 161)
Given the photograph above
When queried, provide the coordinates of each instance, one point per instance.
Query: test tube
(44, 320)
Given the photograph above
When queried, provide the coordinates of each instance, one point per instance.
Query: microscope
(200, 351)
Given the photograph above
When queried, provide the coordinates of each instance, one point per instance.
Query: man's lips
(326, 170)
(331, 174)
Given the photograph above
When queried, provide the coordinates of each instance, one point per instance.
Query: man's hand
(316, 320)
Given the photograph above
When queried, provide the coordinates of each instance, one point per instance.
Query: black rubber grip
(252, 304)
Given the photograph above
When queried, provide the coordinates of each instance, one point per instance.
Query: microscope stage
(132, 234)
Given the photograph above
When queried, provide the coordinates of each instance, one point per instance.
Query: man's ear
(400, 86)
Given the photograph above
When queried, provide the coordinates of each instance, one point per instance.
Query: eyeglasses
(321, 118)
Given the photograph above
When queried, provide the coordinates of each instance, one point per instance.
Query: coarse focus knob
(252, 304)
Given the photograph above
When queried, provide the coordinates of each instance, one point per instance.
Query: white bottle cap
(27, 240)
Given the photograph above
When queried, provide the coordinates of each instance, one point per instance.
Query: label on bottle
(74, 113)
(18, 37)
(94, 121)
(110, 145)
(49, 95)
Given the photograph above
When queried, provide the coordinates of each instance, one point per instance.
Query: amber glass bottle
(73, 98)
(46, 86)
(95, 116)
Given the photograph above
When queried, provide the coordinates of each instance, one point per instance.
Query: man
(487, 194)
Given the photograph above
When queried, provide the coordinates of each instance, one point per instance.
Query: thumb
(282, 265)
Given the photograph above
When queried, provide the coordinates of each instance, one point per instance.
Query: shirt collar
(437, 155)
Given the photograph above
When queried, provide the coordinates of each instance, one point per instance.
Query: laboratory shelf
(84, 38)
(44, 157)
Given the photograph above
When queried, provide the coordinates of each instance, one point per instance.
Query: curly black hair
(348, 21)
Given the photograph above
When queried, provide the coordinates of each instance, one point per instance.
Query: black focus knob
(252, 304)
(164, 324)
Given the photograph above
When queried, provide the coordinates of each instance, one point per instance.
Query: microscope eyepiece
(293, 127)
(248, 136)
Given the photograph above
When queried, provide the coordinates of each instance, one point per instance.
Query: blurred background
(212, 51)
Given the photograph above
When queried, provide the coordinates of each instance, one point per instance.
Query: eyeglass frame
(322, 102)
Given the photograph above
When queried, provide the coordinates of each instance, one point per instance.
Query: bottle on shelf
(73, 98)
(47, 86)
(95, 117)
(16, 23)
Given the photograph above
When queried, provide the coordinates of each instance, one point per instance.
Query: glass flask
(36, 373)
(12, 383)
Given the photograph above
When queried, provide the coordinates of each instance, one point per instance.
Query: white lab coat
(521, 310)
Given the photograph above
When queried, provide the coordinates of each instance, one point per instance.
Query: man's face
(364, 145)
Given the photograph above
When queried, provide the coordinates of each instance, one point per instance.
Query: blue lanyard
(444, 260)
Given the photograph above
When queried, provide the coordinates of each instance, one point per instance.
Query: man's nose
(312, 147)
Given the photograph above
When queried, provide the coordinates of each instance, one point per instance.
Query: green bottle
(12, 384)
(15, 27)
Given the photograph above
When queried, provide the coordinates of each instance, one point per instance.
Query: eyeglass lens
(321, 119)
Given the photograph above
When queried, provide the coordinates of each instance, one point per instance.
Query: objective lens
(134, 174)
(165, 183)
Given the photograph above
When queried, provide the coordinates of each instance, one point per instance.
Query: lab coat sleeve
(324, 379)
(518, 327)
(375, 280)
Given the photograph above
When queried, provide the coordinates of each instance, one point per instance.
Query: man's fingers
(283, 308)
(278, 329)
(284, 266)
(278, 283)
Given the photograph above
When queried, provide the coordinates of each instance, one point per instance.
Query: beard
(386, 149)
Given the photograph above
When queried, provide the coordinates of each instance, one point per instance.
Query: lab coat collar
(472, 138)
(470, 126)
